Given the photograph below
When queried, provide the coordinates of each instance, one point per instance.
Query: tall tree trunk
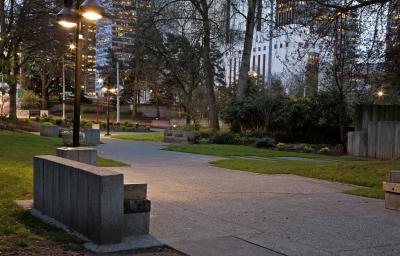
(209, 68)
(13, 100)
(44, 91)
(247, 48)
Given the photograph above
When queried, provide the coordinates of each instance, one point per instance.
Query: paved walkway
(203, 210)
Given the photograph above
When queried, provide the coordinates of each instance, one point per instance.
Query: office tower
(116, 35)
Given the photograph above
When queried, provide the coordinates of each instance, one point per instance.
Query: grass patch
(369, 174)
(157, 137)
(238, 150)
(17, 227)
(104, 162)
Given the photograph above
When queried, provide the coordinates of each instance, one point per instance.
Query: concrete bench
(179, 137)
(50, 131)
(92, 136)
(90, 200)
(392, 191)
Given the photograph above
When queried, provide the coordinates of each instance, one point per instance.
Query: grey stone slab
(135, 191)
(218, 246)
(92, 136)
(112, 209)
(136, 224)
(394, 176)
(128, 243)
(85, 155)
(50, 131)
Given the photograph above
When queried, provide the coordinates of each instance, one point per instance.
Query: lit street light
(70, 17)
(107, 91)
(380, 94)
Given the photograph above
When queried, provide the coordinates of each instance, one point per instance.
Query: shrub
(58, 121)
(265, 142)
(47, 124)
(307, 149)
(324, 150)
(222, 138)
(280, 145)
(30, 100)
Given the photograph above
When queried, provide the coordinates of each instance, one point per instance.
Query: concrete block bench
(92, 137)
(85, 155)
(392, 191)
(179, 137)
(67, 138)
(90, 200)
(50, 131)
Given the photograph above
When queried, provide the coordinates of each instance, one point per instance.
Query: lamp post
(107, 91)
(70, 17)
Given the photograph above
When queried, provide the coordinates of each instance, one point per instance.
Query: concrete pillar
(85, 155)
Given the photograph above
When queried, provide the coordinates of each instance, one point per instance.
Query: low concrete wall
(381, 141)
(385, 140)
(179, 137)
(50, 131)
(357, 143)
(83, 197)
(92, 137)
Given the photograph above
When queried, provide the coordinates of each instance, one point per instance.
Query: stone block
(85, 198)
(50, 131)
(68, 139)
(92, 137)
(135, 191)
(394, 176)
(392, 201)
(85, 155)
(136, 224)
(137, 206)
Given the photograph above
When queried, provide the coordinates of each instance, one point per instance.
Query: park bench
(89, 200)
(34, 113)
(392, 190)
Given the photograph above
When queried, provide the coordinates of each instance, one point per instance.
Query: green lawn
(235, 150)
(158, 137)
(17, 227)
(369, 174)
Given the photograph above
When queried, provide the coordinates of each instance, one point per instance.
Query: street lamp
(107, 91)
(70, 17)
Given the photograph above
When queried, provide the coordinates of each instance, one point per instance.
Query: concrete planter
(92, 136)
(50, 131)
(67, 139)
(178, 136)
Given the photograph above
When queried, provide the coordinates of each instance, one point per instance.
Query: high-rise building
(115, 35)
(393, 32)
(89, 57)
